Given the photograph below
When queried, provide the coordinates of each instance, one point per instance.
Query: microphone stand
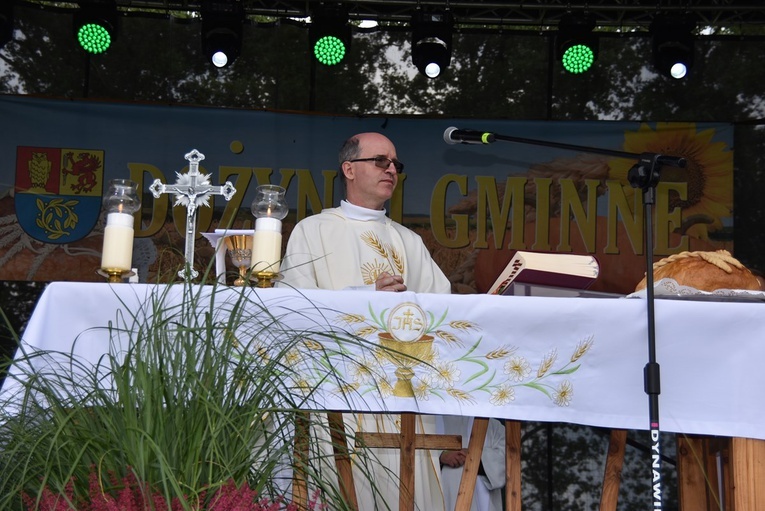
(645, 174)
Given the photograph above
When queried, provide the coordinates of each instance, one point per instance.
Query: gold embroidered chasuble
(348, 248)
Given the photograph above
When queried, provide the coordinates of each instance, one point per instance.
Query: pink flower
(129, 494)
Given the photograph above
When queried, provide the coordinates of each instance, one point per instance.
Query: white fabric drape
(504, 356)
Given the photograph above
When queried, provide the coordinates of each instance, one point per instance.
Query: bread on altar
(706, 271)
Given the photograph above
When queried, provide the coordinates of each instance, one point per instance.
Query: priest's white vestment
(348, 248)
(489, 485)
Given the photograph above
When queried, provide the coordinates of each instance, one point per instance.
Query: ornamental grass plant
(194, 402)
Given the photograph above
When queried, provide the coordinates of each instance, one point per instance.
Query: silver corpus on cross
(192, 190)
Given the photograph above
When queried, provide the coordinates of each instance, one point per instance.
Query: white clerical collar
(358, 213)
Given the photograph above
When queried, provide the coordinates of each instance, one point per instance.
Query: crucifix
(192, 190)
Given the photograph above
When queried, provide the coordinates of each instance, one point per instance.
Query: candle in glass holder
(267, 245)
(121, 201)
(269, 207)
(118, 242)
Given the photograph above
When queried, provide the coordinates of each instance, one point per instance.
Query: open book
(547, 269)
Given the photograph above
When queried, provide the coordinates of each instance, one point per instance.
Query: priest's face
(369, 185)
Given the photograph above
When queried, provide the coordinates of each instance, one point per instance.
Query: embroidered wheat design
(547, 363)
(312, 345)
(500, 353)
(352, 318)
(374, 242)
(397, 261)
(263, 353)
(458, 394)
(582, 348)
(448, 337)
(366, 331)
(347, 388)
(462, 325)
(231, 337)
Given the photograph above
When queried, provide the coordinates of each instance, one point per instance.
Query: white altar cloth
(576, 360)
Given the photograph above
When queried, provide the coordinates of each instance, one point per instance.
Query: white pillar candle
(118, 242)
(266, 245)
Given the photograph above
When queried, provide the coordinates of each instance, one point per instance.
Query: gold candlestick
(265, 278)
(114, 275)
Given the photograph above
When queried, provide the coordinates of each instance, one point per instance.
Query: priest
(356, 246)
(490, 483)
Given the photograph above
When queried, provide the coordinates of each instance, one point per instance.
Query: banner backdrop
(474, 205)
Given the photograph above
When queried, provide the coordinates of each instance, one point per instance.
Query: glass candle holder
(269, 208)
(121, 202)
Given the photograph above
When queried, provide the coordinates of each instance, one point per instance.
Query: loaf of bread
(705, 271)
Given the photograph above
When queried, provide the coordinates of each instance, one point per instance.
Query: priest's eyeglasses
(383, 162)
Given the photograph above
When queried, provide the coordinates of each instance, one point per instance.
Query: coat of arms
(58, 192)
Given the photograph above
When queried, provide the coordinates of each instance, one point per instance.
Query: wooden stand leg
(342, 459)
(694, 478)
(747, 462)
(299, 483)
(513, 465)
(612, 475)
(406, 493)
(472, 462)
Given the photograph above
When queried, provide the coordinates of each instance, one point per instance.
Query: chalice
(406, 344)
(405, 355)
(239, 249)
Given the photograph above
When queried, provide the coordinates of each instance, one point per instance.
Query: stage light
(222, 31)
(672, 44)
(95, 25)
(330, 34)
(6, 23)
(576, 45)
(432, 42)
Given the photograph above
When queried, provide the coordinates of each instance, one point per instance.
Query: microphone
(453, 135)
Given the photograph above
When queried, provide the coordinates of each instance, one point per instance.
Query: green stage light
(95, 26)
(94, 38)
(330, 34)
(578, 58)
(576, 45)
(329, 50)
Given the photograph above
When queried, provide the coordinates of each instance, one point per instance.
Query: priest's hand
(388, 282)
(453, 459)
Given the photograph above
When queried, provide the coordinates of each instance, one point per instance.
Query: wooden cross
(407, 442)
(192, 190)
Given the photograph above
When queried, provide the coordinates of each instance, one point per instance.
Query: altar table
(576, 360)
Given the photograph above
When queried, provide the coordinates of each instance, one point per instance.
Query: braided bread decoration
(705, 271)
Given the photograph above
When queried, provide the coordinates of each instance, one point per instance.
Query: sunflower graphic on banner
(58, 192)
